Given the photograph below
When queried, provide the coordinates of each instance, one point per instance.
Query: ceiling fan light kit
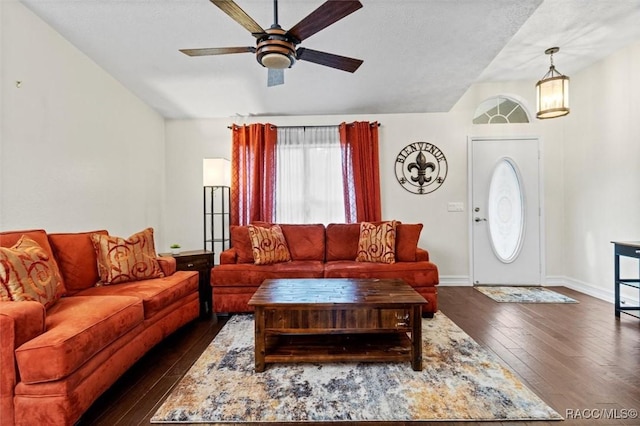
(275, 51)
(552, 91)
(276, 48)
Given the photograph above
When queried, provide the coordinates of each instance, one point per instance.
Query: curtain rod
(294, 127)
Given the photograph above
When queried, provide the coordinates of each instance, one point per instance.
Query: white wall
(602, 170)
(445, 234)
(187, 143)
(79, 151)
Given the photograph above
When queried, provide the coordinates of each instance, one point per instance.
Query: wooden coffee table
(335, 320)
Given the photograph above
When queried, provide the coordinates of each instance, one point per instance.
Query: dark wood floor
(576, 357)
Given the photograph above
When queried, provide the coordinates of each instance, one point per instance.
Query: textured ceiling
(419, 55)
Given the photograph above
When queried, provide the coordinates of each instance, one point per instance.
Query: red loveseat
(320, 252)
(55, 362)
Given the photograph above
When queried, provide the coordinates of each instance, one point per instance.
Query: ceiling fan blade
(217, 51)
(240, 16)
(327, 14)
(275, 77)
(328, 59)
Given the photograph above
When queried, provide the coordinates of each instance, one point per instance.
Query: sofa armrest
(27, 319)
(422, 254)
(229, 256)
(19, 323)
(167, 264)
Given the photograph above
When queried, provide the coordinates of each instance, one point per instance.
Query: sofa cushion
(305, 242)
(246, 274)
(77, 259)
(342, 241)
(241, 242)
(77, 328)
(377, 243)
(122, 260)
(407, 237)
(268, 245)
(28, 273)
(416, 274)
(8, 239)
(156, 294)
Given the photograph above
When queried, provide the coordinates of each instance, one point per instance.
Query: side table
(632, 250)
(201, 261)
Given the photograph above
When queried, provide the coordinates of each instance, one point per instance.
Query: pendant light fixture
(552, 91)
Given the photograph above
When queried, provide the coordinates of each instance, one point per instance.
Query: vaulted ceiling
(419, 55)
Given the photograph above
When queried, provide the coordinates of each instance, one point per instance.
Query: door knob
(477, 219)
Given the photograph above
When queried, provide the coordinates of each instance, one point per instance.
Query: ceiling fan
(276, 48)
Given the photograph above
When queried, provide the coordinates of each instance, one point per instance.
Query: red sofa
(320, 252)
(55, 362)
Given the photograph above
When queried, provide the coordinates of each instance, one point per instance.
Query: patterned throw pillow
(28, 273)
(121, 260)
(377, 242)
(268, 245)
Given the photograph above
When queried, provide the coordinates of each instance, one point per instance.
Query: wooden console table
(627, 249)
(335, 320)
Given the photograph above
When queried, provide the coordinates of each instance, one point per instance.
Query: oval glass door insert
(506, 211)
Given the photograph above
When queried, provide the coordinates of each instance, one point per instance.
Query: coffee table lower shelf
(363, 347)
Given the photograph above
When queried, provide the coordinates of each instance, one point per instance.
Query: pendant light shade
(552, 92)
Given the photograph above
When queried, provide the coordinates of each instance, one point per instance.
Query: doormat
(460, 380)
(516, 294)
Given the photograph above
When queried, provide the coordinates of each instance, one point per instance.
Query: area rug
(515, 294)
(460, 381)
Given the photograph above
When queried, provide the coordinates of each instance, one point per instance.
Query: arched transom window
(500, 110)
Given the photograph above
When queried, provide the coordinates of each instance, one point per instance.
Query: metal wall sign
(421, 167)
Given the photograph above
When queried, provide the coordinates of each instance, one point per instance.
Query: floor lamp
(216, 174)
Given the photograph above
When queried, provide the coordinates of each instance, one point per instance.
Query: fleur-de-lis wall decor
(421, 167)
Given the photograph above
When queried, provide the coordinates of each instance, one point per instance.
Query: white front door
(505, 211)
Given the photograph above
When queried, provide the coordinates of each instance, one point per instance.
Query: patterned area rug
(460, 381)
(517, 294)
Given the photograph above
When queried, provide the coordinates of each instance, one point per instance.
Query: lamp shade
(553, 97)
(216, 172)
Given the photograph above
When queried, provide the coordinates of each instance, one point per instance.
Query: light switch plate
(455, 207)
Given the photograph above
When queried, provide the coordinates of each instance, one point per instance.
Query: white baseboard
(582, 287)
(455, 280)
(603, 294)
(555, 280)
